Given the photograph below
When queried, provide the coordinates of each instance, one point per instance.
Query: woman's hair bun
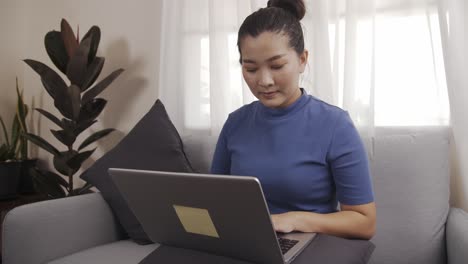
(296, 7)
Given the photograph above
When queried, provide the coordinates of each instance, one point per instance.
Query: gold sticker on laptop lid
(196, 220)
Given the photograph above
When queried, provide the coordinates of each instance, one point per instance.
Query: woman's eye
(251, 70)
(277, 67)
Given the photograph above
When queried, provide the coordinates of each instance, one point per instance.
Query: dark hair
(280, 16)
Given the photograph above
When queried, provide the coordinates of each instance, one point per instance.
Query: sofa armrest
(457, 236)
(43, 231)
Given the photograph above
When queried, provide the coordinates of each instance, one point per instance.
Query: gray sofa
(410, 170)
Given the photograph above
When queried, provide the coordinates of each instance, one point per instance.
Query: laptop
(219, 214)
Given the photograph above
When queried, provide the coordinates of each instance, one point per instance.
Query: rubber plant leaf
(56, 178)
(60, 162)
(53, 83)
(94, 69)
(45, 184)
(83, 125)
(101, 86)
(42, 143)
(73, 101)
(95, 137)
(69, 40)
(56, 50)
(78, 64)
(78, 159)
(91, 109)
(95, 34)
(85, 189)
(50, 116)
(64, 136)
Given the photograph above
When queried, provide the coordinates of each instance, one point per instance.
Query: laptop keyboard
(286, 244)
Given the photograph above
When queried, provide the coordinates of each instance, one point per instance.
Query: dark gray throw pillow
(153, 144)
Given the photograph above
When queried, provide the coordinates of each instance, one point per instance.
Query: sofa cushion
(120, 252)
(200, 150)
(153, 144)
(410, 172)
(457, 236)
(323, 249)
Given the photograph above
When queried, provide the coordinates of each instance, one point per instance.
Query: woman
(306, 153)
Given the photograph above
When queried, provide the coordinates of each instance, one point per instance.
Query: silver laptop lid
(223, 215)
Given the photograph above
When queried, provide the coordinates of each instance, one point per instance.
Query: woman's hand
(283, 223)
(353, 221)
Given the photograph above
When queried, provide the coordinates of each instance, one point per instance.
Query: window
(392, 74)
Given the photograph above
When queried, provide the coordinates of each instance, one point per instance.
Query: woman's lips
(269, 95)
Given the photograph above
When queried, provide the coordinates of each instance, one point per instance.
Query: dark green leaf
(47, 185)
(78, 64)
(85, 189)
(15, 133)
(4, 150)
(70, 102)
(91, 109)
(42, 143)
(53, 83)
(94, 137)
(76, 161)
(57, 178)
(50, 116)
(21, 114)
(82, 126)
(69, 40)
(93, 72)
(98, 88)
(65, 136)
(95, 33)
(5, 132)
(74, 95)
(21, 109)
(56, 50)
(63, 105)
(58, 103)
(23, 148)
(68, 124)
(60, 162)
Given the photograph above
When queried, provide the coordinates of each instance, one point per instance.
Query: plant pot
(9, 179)
(26, 185)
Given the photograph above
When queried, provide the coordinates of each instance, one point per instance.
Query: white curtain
(454, 29)
(381, 60)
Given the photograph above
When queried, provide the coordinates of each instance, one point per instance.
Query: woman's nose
(265, 79)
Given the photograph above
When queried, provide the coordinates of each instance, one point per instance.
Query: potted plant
(27, 164)
(14, 151)
(9, 166)
(77, 102)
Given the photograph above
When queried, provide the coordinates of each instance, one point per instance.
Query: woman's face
(271, 68)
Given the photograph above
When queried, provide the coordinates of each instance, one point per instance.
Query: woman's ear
(303, 60)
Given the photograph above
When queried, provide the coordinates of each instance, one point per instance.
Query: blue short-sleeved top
(307, 157)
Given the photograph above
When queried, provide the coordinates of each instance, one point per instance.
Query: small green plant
(8, 148)
(16, 146)
(77, 102)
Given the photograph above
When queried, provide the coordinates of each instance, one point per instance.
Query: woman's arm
(353, 221)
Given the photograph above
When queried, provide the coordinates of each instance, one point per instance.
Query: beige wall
(130, 40)
(12, 32)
